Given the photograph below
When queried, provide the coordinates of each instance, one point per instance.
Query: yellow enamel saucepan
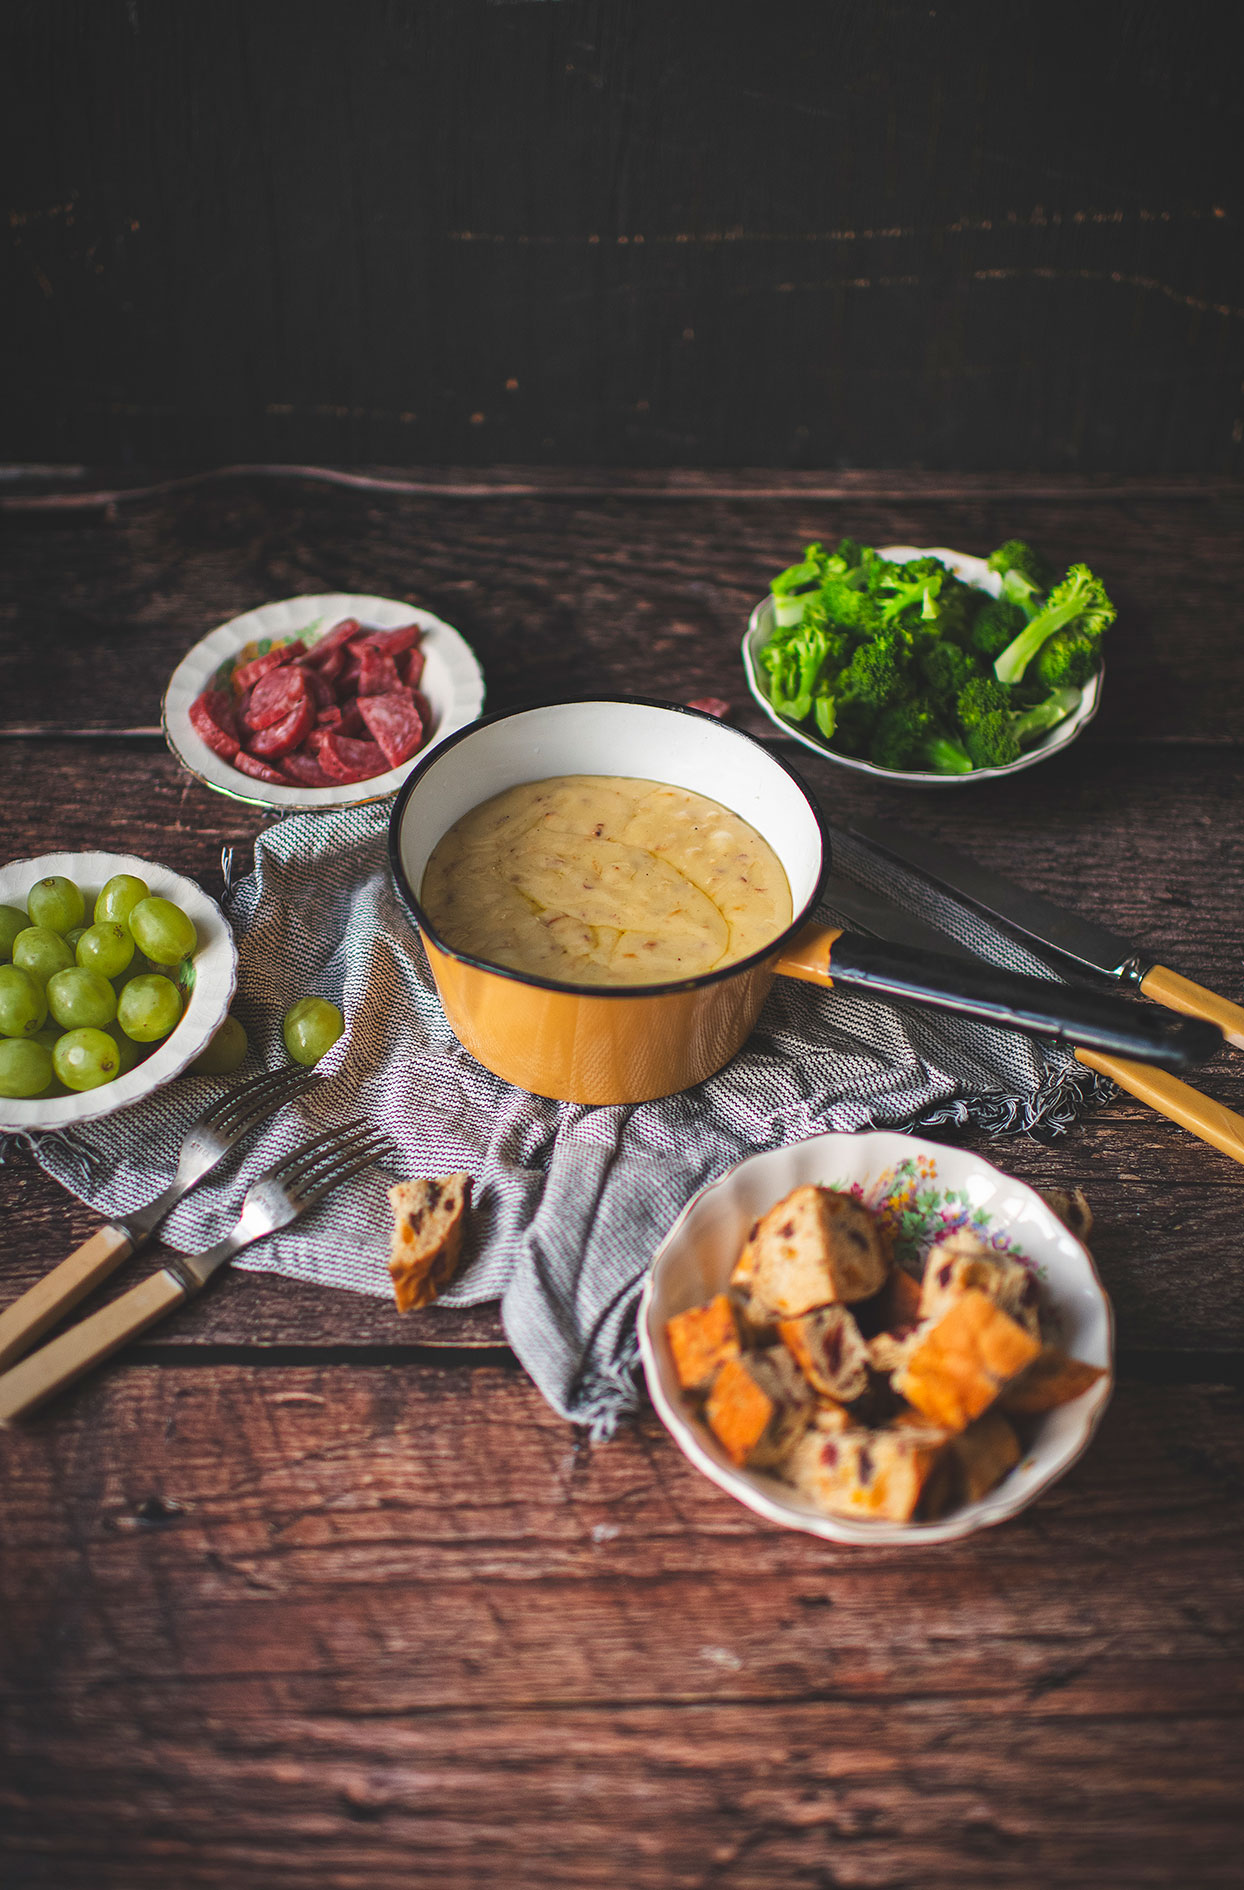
(626, 1045)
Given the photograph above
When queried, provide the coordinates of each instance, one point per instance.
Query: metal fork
(207, 1142)
(272, 1201)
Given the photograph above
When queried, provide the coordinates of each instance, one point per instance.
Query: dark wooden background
(649, 232)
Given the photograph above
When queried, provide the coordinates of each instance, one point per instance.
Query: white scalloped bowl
(970, 570)
(928, 1190)
(452, 681)
(215, 976)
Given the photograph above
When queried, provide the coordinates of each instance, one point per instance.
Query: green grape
(149, 1008)
(42, 952)
(105, 947)
(163, 931)
(118, 898)
(311, 1027)
(83, 1059)
(23, 1007)
(223, 1051)
(12, 921)
(73, 935)
(25, 1066)
(81, 1000)
(128, 1052)
(57, 902)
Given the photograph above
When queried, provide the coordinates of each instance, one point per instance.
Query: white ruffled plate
(970, 570)
(452, 681)
(927, 1190)
(215, 975)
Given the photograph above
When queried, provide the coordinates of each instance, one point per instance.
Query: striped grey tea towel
(570, 1201)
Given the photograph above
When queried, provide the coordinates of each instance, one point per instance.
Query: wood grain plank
(652, 596)
(283, 1636)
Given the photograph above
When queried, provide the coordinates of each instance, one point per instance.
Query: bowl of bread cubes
(878, 1339)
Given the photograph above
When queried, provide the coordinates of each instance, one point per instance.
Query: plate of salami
(315, 703)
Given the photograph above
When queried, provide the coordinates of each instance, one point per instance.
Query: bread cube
(701, 1340)
(814, 1248)
(878, 1474)
(428, 1220)
(962, 1263)
(1052, 1379)
(829, 1351)
(757, 1405)
(983, 1455)
(963, 1360)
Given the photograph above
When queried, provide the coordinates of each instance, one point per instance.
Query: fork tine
(363, 1158)
(321, 1148)
(243, 1107)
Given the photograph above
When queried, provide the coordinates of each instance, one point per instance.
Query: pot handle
(1071, 1014)
(806, 956)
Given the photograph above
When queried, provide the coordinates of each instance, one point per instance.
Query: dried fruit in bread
(701, 1340)
(963, 1360)
(756, 1406)
(815, 1247)
(827, 1347)
(878, 1474)
(428, 1219)
(1052, 1379)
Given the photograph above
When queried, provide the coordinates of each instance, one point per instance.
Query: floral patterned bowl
(923, 1191)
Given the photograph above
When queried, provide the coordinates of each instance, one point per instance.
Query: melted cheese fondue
(598, 879)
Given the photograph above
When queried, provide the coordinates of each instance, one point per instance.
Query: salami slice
(250, 673)
(377, 672)
(347, 760)
(212, 717)
(394, 642)
(249, 764)
(410, 668)
(332, 640)
(318, 683)
(275, 696)
(279, 737)
(395, 723)
(305, 769)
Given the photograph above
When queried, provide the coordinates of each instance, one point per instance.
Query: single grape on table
(311, 1027)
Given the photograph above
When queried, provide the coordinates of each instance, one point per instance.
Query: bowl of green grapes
(115, 975)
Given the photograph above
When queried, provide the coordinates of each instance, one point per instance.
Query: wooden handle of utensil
(1181, 994)
(62, 1360)
(29, 1317)
(1199, 1114)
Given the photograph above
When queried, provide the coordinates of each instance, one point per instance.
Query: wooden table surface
(298, 1592)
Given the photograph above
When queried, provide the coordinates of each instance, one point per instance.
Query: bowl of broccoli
(929, 666)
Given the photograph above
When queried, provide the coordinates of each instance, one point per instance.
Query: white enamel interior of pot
(635, 739)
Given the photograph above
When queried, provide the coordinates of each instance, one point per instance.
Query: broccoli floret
(998, 736)
(1080, 599)
(945, 669)
(908, 736)
(1025, 574)
(1068, 659)
(795, 657)
(995, 625)
(873, 679)
(957, 608)
(916, 593)
(982, 696)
